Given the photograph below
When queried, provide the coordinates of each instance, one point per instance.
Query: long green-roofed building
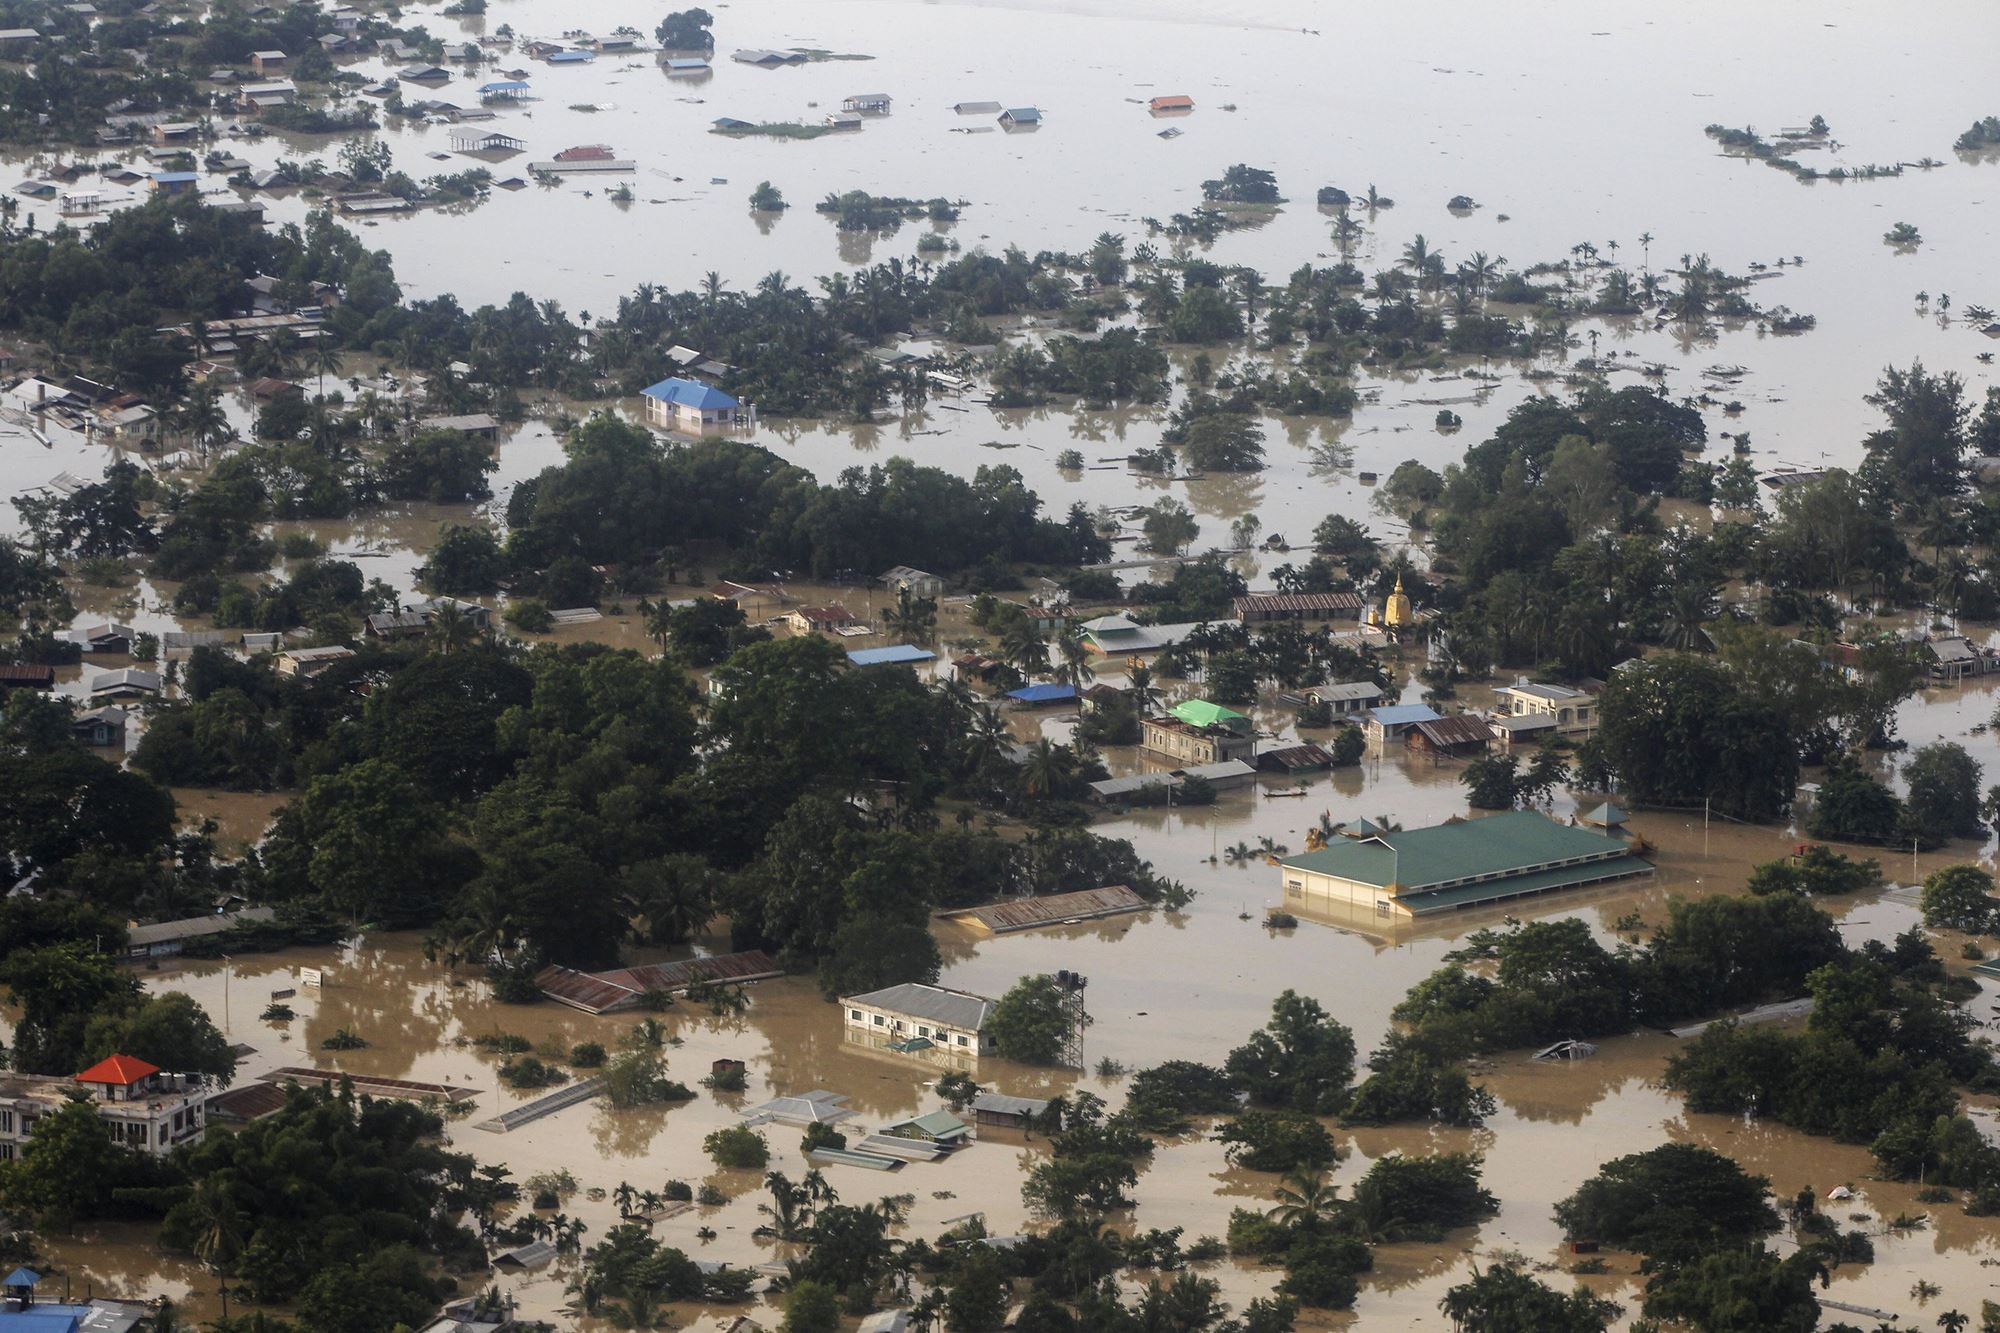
(1448, 867)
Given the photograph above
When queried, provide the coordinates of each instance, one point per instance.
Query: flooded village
(1055, 666)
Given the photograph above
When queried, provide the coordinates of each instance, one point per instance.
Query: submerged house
(919, 1020)
(1198, 732)
(1572, 711)
(683, 404)
(1457, 866)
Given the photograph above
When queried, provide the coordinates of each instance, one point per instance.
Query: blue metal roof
(42, 1319)
(22, 1277)
(502, 86)
(1043, 694)
(175, 177)
(571, 57)
(1403, 715)
(691, 393)
(902, 652)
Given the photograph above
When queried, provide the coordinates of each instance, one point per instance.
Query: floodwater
(1162, 985)
(1539, 117)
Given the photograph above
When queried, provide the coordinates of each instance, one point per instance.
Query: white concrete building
(146, 1108)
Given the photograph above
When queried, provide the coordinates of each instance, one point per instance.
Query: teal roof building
(1456, 866)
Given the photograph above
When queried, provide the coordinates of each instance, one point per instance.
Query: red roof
(123, 1070)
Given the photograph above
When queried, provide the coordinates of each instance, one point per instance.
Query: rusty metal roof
(1053, 909)
(622, 988)
(1457, 729)
(1297, 601)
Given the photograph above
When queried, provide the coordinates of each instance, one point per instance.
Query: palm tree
(1417, 255)
(324, 355)
(450, 630)
(218, 1229)
(1691, 607)
(1074, 670)
(1305, 1199)
(1144, 694)
(1951, 1321)
(790, 1209)
(1022, 646)
(1046, 768)
(911, 618)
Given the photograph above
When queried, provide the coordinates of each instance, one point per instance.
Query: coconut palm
(911, 618)
(1074, 670)
(450, 630)
(1305, 1199)
(1046, 769)
(1022, 646)
(218, 1224)
(1145, 695)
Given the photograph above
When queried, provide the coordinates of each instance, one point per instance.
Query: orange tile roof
(123, 1070)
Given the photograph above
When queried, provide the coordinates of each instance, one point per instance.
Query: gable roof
(690, 393)
(119, 1069)
(1415, 860)
(1202, 713)
(954, 1008)
(1458, 729)
(1403, 715)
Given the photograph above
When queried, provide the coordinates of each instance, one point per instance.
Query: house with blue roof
(903, 654)
(1044, 696)
(683, 404)
(174, 182)
(1388, 724)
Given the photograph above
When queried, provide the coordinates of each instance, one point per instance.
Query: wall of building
(1324, 892)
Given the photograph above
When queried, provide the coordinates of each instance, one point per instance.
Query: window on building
(879, 1020)
(923, 1031)
(1382, 907)
(962, 1041)
(6, 1152)
(854, 1014)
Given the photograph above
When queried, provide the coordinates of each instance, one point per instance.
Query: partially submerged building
(1569, 710)
(1456, 866)
(144, 1107)
(1199, 732)
(920, 1020)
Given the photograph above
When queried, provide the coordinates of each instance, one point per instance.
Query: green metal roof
(1202, 713)
(1519, 842)
(934, 1125)
(1520, 886)
(1605, 814)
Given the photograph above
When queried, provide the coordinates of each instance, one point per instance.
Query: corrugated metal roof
(1300, 602)
(1403, 715)
(690, 393)
(902, 652)
(194, 927)
(911, 999)
(1458, 729)
(999, 1103)
(1053, 909)
(1202, 713)
(1511, 845)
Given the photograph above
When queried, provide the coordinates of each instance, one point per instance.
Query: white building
(918, 1020)
(1573, 711)
(147, 1109)
(682, 404)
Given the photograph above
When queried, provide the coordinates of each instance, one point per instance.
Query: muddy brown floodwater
(1162, 985)
(1538, 116)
